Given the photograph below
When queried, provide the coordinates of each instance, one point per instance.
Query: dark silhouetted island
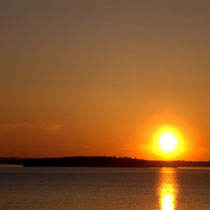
(100, 161)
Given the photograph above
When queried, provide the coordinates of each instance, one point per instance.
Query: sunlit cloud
(46, 126)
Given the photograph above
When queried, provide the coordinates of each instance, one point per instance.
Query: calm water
(104, 188)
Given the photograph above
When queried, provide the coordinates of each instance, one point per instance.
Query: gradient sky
(100, 77)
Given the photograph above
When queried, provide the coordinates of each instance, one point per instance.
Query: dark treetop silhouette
(100, 161)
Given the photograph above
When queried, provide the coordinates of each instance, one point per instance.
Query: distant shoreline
(10, 165)
(99, 161)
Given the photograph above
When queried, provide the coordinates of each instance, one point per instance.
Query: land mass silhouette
(100, 161)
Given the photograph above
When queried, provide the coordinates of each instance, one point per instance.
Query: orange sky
(91, 77)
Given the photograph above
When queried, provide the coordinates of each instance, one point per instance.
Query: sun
(168, 142)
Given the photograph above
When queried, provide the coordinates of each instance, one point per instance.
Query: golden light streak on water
(168, 189)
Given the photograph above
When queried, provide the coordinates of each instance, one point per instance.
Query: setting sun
(168, 142)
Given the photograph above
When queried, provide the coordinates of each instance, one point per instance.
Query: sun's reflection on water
(168, 189)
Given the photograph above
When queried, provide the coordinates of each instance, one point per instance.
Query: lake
(104, 188)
